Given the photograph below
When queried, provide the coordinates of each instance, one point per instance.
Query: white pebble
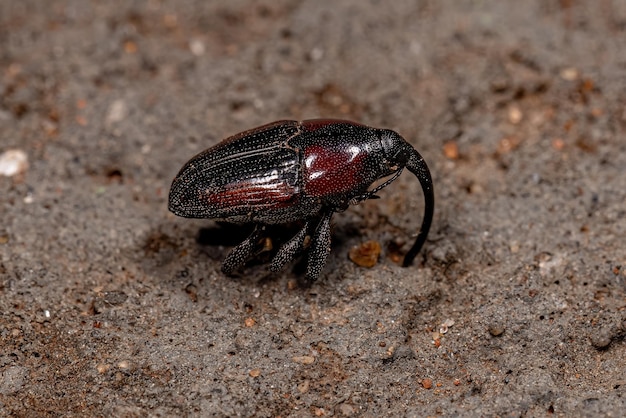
(12, 162)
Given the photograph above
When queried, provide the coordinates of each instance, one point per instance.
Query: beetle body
(287, 171)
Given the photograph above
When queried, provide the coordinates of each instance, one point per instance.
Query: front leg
(361, 198)
(320, 247)
(241, 253)
(372, 194)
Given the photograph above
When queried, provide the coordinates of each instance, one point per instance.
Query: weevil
(288, 171)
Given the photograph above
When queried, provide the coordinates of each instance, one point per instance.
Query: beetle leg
(242, 252)
(363, 197)
(372, 194)
(288, 252)
(320, 247)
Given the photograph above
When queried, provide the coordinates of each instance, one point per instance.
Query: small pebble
(558, 144)
(602, 338)
(316, 54)
(130, 47)
(250, 322)
(12, 162)
(255, 372)
(427, 383)
(196, 47)
(515, 115)
(366, 254)
(102, 368)
(346, 409)
(496, 330)
(304, 386)
(569, 74)
(319, 412)
(443, 328)
(451, 150)
(118, 110)
(304, 359)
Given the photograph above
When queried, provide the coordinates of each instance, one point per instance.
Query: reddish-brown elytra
(289, 170)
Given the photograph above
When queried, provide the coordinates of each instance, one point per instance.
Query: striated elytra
(287, 171)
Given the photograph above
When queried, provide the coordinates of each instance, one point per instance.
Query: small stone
(319, 412)
(304, 359)
(366, 254)
(558, 144)
(515, 115)
(316, 54)
(13, 162)
(427, 383)
(102, 368)
(196, 47)
(443, 328)
(602, 338)
(250, 322)
(304, 386)
(451, 150)
(13, 379)
(496, 329)
(130, 47)
(118, 110)
(346, 409)
(569, 74)
(255, 372)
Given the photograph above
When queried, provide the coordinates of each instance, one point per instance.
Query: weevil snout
(400, 152)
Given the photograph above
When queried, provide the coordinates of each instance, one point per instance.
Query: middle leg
(289, 250)
(320, 247)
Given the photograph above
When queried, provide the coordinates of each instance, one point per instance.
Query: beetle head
(396, 150)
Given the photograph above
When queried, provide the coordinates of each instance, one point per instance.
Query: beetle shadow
(227, 235)
(159, 251)
(223, 234)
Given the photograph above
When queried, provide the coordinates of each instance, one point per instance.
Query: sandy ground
(112, 306)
